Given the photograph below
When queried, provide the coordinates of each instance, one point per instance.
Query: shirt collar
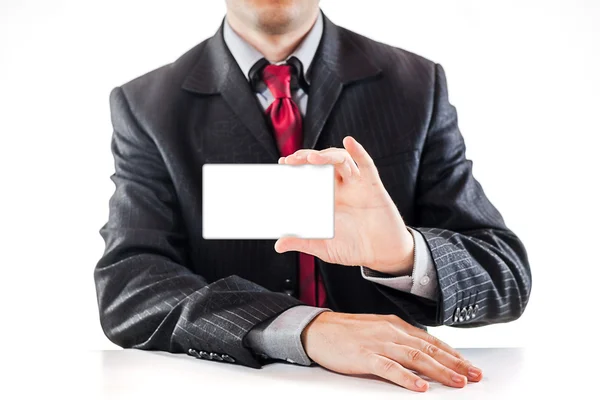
(246, 55)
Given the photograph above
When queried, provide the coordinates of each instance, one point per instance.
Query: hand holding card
(369, 230)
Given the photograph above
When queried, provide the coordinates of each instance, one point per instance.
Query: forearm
(484, 275)
(147, 302)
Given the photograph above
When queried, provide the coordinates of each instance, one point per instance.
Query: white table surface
(509, 373)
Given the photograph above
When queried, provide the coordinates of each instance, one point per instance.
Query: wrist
(401, 259)
(311, 329)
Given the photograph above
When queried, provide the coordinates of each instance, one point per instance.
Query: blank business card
(267, 201)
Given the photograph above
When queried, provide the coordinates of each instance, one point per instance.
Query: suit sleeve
(482, 268)
(147, 296)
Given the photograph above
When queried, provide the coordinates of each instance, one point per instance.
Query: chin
(278, 16)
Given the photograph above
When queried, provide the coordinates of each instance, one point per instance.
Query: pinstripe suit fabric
(160, 285)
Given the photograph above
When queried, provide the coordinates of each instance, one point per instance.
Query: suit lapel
(324, 91)
(338, 63)
(217, 72)
(237, 93)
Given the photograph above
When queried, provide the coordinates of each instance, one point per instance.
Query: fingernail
(420, 383)
(458, 379)
(474, 372)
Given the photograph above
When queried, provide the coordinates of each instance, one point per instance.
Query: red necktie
(287, 126)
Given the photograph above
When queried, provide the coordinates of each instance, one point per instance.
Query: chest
(215, 134)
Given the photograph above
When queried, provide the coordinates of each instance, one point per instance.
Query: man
(416, 240)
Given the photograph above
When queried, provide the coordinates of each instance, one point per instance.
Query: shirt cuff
(280, 337)
(423, 280)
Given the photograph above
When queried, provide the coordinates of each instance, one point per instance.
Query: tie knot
(278, 78)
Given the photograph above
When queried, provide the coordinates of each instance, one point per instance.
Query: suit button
(463, 315)
(470, 313)
(475, 310)
(215, 356)
(193, 352)
(228, 358)
(204, 355)
(456, 314)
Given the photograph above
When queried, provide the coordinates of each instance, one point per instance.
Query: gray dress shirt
(279, 338)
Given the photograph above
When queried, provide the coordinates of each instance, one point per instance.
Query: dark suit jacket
(160, 285)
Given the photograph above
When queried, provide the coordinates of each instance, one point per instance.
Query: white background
(523, 75)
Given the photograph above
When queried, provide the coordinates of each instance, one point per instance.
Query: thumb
(289, 243)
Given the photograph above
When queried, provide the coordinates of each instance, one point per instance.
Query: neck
(275, 47)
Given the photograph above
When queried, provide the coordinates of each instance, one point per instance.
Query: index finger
(364, 161)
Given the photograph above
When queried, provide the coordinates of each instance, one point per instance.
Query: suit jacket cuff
(423, 280)
(280, 338)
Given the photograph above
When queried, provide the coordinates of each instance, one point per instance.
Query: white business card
(267, 201)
